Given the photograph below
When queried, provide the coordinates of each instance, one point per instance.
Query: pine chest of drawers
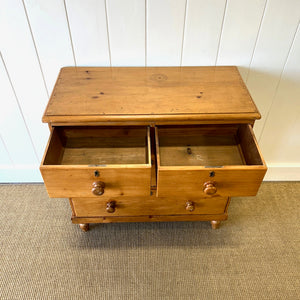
(151, 144)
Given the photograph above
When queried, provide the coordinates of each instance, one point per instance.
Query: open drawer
(82, 161)
(208, 160)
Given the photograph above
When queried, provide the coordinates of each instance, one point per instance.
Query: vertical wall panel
(165, 25)
(202, 32)
(274, 41)
(280, 140)
(12, 126)
(240, 29)
(50, 30)
(4, 156)
(20, 58)
(38, 37)
(89, 32)
(5, 162)
(126, 27)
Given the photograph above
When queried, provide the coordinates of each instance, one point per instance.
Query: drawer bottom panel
(147, 206)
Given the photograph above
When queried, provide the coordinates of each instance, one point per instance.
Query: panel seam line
(6, 149)
(107, 32)
(70, 33)
(19, 106)
(35, 47)
(256, 40)
(221, 33)
(183, 32)
(279, 81)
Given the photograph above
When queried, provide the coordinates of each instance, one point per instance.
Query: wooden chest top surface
(84, 94)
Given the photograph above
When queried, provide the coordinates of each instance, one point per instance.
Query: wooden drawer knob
(189, 206)
(98, 188)
(209, 188)
(111, 206)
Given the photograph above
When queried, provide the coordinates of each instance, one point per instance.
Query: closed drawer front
(97, 162)
(131, 206)
(198, 161)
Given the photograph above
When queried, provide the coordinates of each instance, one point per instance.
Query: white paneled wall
(165, 28)
(38, 37)
(126, 31)
(88, 29)
(274, 42)
(49, 26)
(203, 28)
(241, 26)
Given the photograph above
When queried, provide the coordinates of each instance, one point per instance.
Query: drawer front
(97, 162)
(125, 206)
(220, 160)
(80, 182)
(198, 183)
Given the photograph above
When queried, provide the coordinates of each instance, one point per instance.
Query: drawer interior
(95, 145)
(207, 145)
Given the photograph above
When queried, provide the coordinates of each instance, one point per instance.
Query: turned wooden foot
(85, 227)
(215, 224)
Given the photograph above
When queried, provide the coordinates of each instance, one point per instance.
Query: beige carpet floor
(254, 255)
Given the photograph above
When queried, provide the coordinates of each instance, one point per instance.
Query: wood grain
(104, 156)
(111, 173)
(238, 168)
(133, 120)
(230, 181)
(98, 146)
(152, 218)
(86, 94)
(55, 149)
(137, 206)
(70, 172)
(77, 181)
(162, 120)
(210, 145)
(206, 155)
(249, 146)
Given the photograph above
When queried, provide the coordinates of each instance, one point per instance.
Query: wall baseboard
(283, 172)
(23, 174)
